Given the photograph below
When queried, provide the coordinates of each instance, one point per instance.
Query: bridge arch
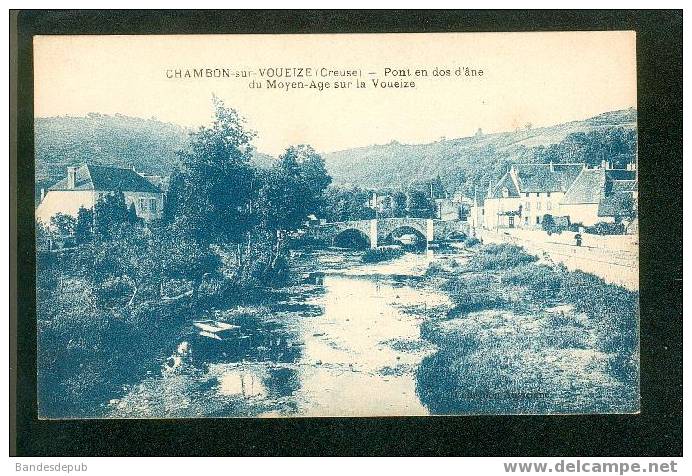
(351, 238)
(393, 234)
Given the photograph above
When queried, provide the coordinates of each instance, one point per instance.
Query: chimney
(71, 177)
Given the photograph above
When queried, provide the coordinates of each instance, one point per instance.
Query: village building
(84, 186)
(602, 195)
(570, 193)
(528, 192)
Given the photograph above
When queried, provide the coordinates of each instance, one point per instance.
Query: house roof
(623, 186)
(108, 179)
(616, 204)
(599, 186)
(546, 177)
(587, 188)
(505, 181)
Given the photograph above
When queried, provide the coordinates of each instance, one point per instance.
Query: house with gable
(526, 193)
(84, 186)
(570, 193)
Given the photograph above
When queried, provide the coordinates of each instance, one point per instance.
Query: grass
(524, 337)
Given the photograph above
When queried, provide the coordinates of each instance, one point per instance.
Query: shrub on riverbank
(381, 254)
(502, 256)
(529, 338)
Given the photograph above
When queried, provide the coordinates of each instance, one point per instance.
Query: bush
(474, 293)
(543, 282)
(471, 242)
(502, 256)
(381, 254)
(603, 228)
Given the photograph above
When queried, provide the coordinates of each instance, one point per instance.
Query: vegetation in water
(382, 254)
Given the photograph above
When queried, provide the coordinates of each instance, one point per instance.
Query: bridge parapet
(379, 230)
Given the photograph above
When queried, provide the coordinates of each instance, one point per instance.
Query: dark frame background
(656, 431)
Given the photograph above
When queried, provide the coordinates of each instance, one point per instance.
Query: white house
(601, 195)
(528, 192)
(84, 186)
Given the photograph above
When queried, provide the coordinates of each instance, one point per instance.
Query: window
(142, 205)
(548, 194)
(526, 220)
(549, 205)
(538, 205)
(152, 205)
(538, 220)
(528, 206)
(538, 194)
(527, 194)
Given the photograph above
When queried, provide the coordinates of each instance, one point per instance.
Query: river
(346, 344)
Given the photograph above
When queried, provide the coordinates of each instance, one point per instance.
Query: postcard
(336, 225)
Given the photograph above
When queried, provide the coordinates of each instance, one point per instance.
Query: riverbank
(349, 345)
(527, 337)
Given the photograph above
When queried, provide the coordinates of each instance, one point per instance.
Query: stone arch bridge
(379, 230)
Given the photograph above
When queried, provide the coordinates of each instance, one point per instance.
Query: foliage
(110, 213)
(346, 204)
(472, 241)
(616, 145)
(548, 223)
(62, 224)
(500, 256)
(84, 228)
(420, 204)
(542, 282)
(213, 195)
(521, 345)
(604, 228)
(292, 189)
(381, 254)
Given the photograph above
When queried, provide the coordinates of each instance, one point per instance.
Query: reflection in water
(241, 382)
(341, 344)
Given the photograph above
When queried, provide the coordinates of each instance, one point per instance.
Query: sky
(538, 78)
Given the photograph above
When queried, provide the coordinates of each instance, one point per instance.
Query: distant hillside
(151, 145)
(148, 144)
(472, 161)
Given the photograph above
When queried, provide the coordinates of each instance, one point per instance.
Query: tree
(132, 214)
(84, 226)
(548, 223)
(291, 190)
(345, 204)
(399, 204)
(110, 212)
(213, 196)
(419, 204)
(63, 225)
(42, 237)
(294, 188)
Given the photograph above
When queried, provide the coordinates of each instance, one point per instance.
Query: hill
(147, 144)
(465, 163)
(468, 162)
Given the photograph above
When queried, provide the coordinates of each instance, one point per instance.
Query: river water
(346, 343)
